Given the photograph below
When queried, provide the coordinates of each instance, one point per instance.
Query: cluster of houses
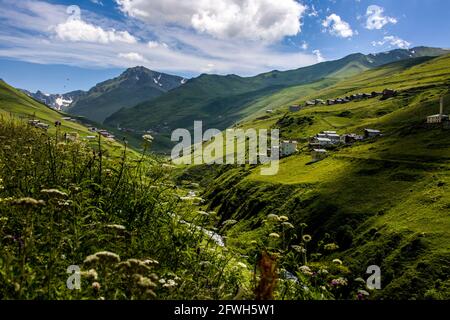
(327, 139)
(323, 141)
(38, 124)
(331, 138)
(102, 132)
(70, 119)
(386, 94)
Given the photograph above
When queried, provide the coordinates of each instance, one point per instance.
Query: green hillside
(134, 86)
(18, 105)
(221, 101)
(384, 202)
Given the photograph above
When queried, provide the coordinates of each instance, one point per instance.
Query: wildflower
(150, 262)
(273, 217)
(299, 249)
(306, 270)
(229, 222)
(283, 218)
(103, 255)
(96, 286)
(288, 225)
(117, 227)
(91, 259)
(134, 264)
(67, 203)
(147, 137)
(91, 274)
(146, 282)
(307, 238)
(362, 294)
(274, 235)
(29, 202)
(54, 193)
(331, 247)
(360, 280)
(323, 271)
(6, 199)
(110, 256)
(170, 284)
(339, 282)
(162, 281)
(337, 261)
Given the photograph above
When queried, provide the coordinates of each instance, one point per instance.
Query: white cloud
(319, 56)
(376, 19)
(393, 41)
(99, 2)
(156, 44)
(304, 45)
(29, 32)
(77, 30)
(337, 27)
(264, 20)
(132, 56)
(313, 12)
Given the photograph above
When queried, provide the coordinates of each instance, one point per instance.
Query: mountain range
(132, 87)
(221, 101)
(141, 99)
(55, 101)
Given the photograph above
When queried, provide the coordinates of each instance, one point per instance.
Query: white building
(438, 118)
(371, 133)
(323, 142)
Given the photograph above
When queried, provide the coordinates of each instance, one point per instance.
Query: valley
(380, 201)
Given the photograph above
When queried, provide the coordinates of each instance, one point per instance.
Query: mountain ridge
(218, 100)
(130, 88)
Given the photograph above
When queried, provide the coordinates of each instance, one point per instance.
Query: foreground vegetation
(132, 233)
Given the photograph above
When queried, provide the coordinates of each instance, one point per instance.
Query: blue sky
(59, 46)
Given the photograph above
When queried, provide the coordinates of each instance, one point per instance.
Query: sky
(59, 46)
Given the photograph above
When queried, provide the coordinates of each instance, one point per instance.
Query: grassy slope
(221, 101)
(18, 104)
(385, 202)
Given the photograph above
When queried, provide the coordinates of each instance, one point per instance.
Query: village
(319, 145)
(72, 136)
(322, 143)
(386, 94)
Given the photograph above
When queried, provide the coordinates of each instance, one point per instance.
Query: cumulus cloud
(393, 41)
(156, 44)
(376, 19)
(40, 32)
(77, 30)
(304, 45)
(264, 20)
(337, 27)
(132, 56)
(319, 56)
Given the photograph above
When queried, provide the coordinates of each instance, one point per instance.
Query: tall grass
(128, 228)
